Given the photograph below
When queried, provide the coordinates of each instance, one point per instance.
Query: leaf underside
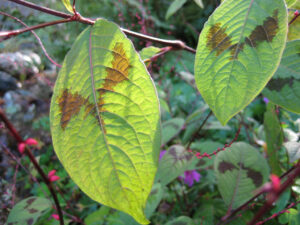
(284, 88)
(105, 120)
(239, 50)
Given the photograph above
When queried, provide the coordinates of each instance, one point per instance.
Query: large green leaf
(284, 88)
(105, 120)
(240, 170)
(27, 211)
(290, 3)
(274, 137)
(239, 49)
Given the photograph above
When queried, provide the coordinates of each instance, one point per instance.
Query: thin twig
(8, 34)
(198, 130)
(19, 139)
(226, 218)
(296, 15)
(176, 44)
(35, 35)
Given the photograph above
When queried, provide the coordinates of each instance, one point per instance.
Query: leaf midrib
(98, 114)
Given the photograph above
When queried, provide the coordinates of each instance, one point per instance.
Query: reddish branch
(227, 218)
(176, 44)
(272, 197)
(296, 15)
(35, 35)
(19, 139)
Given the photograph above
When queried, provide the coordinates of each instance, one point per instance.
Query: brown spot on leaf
(29, 221)
(153, 192)
(201, 162)
(278, 83)
(225, 166)
(255, 176)
(117, 73)
(31, 211)
(218, 39)
(265, 32)
(235, 50)
(30, 201)
(70, 105)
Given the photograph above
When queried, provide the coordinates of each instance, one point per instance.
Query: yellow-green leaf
(68, 5)
(105, 120)
(239, 50)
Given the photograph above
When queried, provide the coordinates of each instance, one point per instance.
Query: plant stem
(19, 139)
(273, 197)
(176, 44)
(198, 130)
(9, 34)
(226, 218)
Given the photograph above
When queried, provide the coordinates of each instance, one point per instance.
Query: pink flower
(190, 176)
(51, 173)
(275, 182)
(52, 177)
(161, 154)
(21, 147)
(31, 141)
(55, 216)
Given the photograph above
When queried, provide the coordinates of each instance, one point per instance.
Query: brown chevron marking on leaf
(265, 32)
(116, 74)
(70, 105)
(218, 39)
(255, 176)
(226, 166)
(235, 50)
(278, 83)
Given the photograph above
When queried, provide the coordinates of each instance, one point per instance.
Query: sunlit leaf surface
(105, 120)
(239, 50)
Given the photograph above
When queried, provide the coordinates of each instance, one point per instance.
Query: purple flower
(266, 100)
(190, 176)
(162, 153)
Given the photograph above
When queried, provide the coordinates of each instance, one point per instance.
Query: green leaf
(175, 161)
(290, 3)
(239, 49)
(182, 220)
(199, 3)
(240, 170)
(274, 137)
(97, 217)
(148, 52)
(105, 120)
(284, 88)
(171, 128)
(293, 149)
(174, 7)
(68, 5)
(154, 199)
(27, 211)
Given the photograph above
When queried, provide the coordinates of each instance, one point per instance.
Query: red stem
(19, 139)
(176, 44)
(274, 196)
(9, 34)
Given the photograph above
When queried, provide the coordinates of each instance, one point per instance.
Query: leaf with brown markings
(239, 49)
(28, 211)
(105, 120)
(240, 170)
